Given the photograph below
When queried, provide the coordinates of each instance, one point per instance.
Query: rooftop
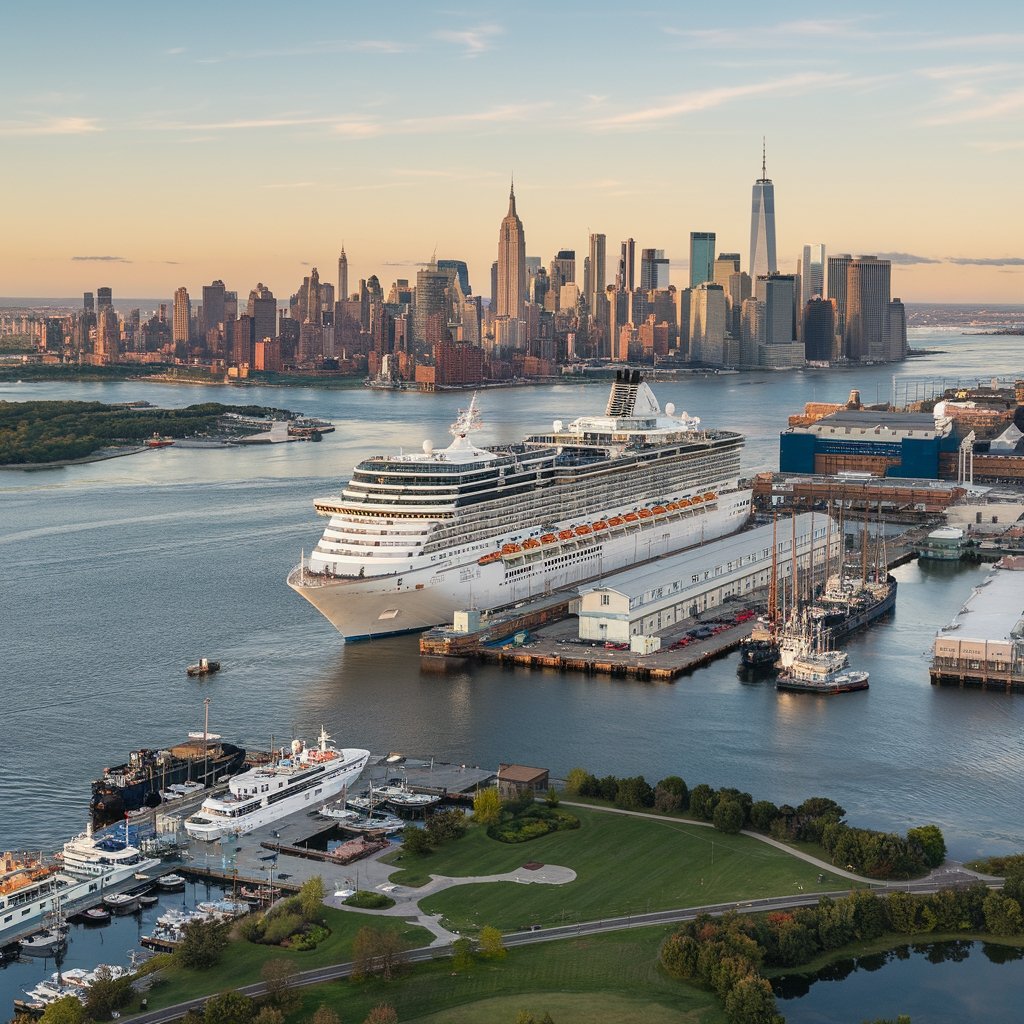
(995, 608)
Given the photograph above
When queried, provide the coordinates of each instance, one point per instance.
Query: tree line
(883, 855)
(727, 954)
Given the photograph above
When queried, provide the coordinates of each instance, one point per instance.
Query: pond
(932, 983)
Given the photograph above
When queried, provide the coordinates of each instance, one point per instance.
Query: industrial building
(653, 597)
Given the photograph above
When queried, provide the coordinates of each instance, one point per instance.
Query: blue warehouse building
(892, 444)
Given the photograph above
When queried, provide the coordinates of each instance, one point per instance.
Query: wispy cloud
(707, 99)
(841, 29)
(51, 126)
(976, 105)
(473, 41)
(406, 263)
(100, 259)
(325, 47)
(987, 261)
(906, 258)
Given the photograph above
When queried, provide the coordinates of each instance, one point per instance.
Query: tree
(416, 841)
(279, 977)
(444, 826)
(1002, 914)
(462, 954)
(375, 952)
(728, 816)
(551, 797)
(66, 1010)
(491, 945)
(268, 1014)
(487, 806)
(202, 944)
(107, 994)
(311, 898)
(575, 780)
(751, 1001)
(229, 1008)
(931, 841)
(382, 1013)
(762, 814)
(325, 1015)
(671, 794)
(702, 801)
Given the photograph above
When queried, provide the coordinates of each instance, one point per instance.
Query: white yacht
(414, 537)
(305, 778)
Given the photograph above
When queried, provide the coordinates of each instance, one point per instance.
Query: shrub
(538, 821)
(364, 899)
(281, 926)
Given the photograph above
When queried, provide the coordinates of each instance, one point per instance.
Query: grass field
(604, 979)
(624, 865)
(243, 960)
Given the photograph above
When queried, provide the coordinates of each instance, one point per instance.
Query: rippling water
(117, 574)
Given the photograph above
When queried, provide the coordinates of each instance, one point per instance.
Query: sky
(147, 146)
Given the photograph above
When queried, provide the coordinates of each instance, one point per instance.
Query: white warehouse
(654, 597)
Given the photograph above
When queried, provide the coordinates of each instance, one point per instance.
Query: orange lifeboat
(660, 510)
(493, 556)
(548, 538)
(685, 503)
(600, 525)
(672, 506)
(529, 545)
(710, 496)
(565, 534)
(510, 549)
(582, 531)
(631, 517)
(646, 513)
(697, 499)
(615, 521)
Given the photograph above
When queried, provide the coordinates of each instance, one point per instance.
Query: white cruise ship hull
(213, 828)
(371, 607)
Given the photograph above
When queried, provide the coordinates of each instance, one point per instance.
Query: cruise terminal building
(651, 598)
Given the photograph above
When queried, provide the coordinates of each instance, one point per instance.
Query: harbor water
(118, 574)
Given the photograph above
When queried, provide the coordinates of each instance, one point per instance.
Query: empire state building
(512, 284)
(762, 227)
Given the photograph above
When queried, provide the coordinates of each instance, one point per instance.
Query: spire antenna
(764, 159)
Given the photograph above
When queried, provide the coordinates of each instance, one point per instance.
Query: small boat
(95, 915)
(600, 525)
(29, 1007)
(531, 544)
(631, 517)
(548, 538)
(584, 530)
(565, 534)
(646, 513)
(204, 667)
(121, 903)
(156, 441)
(510, 549)
(615, 521)
(169, 883)
(44, 943)
(147, 899)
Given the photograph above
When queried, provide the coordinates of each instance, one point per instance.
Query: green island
(594, 876)
(41, 433)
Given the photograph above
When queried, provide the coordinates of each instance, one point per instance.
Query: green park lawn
(601, 979)
(624, 865)
(243, 960)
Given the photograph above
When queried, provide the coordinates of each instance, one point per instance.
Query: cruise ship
(32, 889)
(305, 778)
(414, 537)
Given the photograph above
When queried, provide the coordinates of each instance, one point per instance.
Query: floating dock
(983, 647)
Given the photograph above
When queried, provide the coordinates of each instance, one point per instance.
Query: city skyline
(228, 144)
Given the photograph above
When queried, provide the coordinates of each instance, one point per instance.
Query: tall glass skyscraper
(762, 226)
(702, 257)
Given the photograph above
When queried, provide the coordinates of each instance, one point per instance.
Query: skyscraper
(867, 308)
(707, 324)
(762, 226)
(812, 272)
(262, 307)
(89, 302)
(653, 270)
(702, 257)
(897, 342)
(598, 273)
(104, 299)
(342, 276)
(461, 272)
(182, 316)
(512, 282)
(430, 318)
(213, 306)
(819, 329)
(626, 279)
(838, 266)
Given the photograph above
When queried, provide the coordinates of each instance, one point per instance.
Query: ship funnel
(296, 747)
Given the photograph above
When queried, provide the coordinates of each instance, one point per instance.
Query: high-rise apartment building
(512, 282)
(431, 316)
(702, 257)
(653, 270)
(762, 226)
(866, 335)
(707, 324)
(598, 275)
(896, 350)
(819, 329)
(625, 280)
(108, 333)
(182, 316)
(104, 299)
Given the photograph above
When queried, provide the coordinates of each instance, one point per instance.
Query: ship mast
(773, 586)
(206, 741)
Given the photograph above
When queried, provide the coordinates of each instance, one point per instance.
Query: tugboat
(203, 667)
(822, 672)
(760, 651)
